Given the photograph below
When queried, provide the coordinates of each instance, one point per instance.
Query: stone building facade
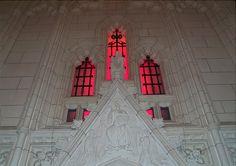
(41, 43)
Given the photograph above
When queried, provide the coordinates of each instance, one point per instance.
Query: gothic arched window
(116, 42)
(84, 79)
(151, 78)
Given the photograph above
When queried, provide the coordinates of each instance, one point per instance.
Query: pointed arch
(84, 79)
(151, 80)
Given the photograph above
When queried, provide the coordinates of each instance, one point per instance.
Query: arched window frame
(150, 77)
(117, 42)
(84, 79)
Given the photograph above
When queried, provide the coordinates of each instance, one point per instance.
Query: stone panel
(197, 42)
(31, 57)
(9, 121)
(13, 97)
(210, 53)
(14, 70)
(28, 36)
(219, 78)
(229, 106)
(14, 57)
(229, 117)
(221, 65)
(25, 82)
(221, 92)
(11, 111)
(203, 65)
(9, 83)
(28, 46)
(213, 41)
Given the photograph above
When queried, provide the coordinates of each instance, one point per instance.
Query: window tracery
(84, 79)
(116, 42)
(151, 80)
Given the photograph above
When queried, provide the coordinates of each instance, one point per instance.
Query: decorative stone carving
(195, 153)
(232, 153)
(169, 5)
(76, 124)
(4, 154)
(229, 136)
(117, 66)
(159, 122)
(45, 157)
(118, 133)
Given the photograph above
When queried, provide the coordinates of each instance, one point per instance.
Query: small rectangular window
(71, 115)
(165, 113)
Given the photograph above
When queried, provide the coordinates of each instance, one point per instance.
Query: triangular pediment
(119, 128)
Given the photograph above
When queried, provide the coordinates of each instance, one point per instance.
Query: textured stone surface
(192, 41)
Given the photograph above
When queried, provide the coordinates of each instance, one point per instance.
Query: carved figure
(117, 66)
(118, 132)
(89, 154)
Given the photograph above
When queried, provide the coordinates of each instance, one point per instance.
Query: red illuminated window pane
(84, 79)
(165, 113)
(71, 115)
(150, 78)
(85, 114)
(116, 42)
(150, 112)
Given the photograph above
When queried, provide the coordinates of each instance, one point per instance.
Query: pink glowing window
(85, 114)
(84, 79)
(150, 112)
(71, 115)
(116, 42)
(151, 78)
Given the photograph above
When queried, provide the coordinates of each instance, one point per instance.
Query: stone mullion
(51, 63)
(56, 61)
(59, 110)
(178, 90)
(65, 81)
(100, 75)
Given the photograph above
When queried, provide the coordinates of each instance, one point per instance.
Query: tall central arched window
(84, 79)
(151, 78)
(116, 42)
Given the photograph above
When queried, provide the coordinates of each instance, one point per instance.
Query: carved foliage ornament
(195, 153)
(47, 157)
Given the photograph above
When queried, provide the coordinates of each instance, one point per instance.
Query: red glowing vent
(150, 112)
(84, 79)
(85, 114)
(116, 42)
(151, 78)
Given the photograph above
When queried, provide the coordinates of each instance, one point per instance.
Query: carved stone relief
(6, 142)
(195, 153)
(118, 133)
(4, 154)
(229, 136)
(43, 155)
(232, 152)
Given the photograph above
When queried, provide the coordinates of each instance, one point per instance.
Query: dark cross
(117, 36)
